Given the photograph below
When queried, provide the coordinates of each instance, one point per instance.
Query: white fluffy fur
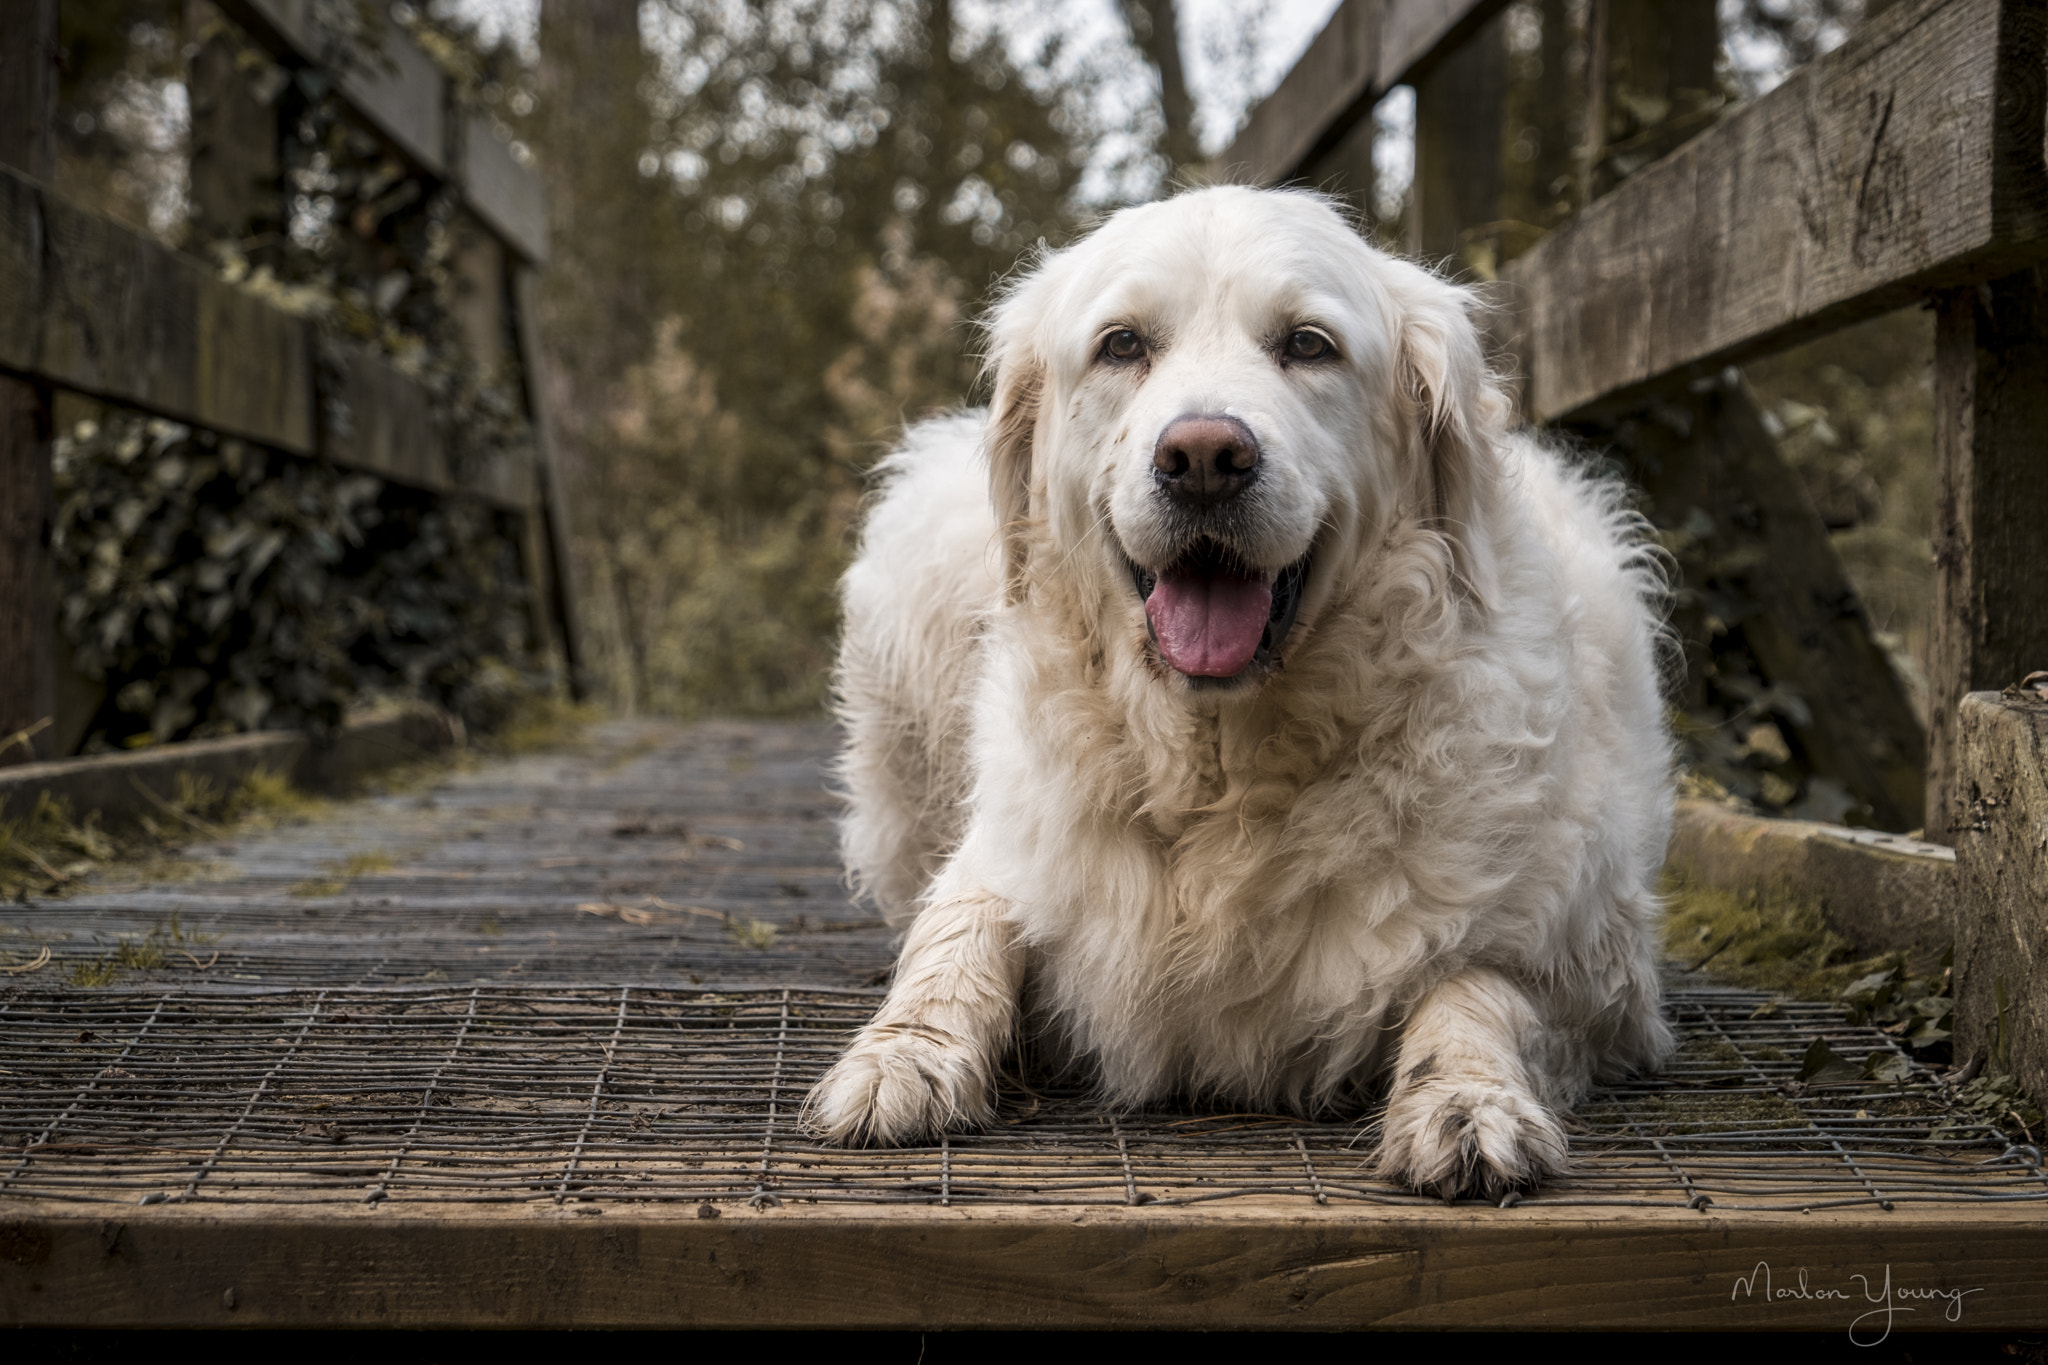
(1418, 854)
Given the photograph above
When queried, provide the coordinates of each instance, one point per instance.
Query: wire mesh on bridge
(611, 1096)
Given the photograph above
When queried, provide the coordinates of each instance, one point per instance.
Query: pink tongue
(1209, 626)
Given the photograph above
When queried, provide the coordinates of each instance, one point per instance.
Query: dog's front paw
(897, 1083)
(1453, 1138)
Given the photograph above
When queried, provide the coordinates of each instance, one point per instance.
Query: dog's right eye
(1123, 345)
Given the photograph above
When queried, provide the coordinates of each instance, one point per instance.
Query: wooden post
(28, 111)
(553, 507)
(1545, 120)
(1346, 172)
(1990, 620)
(237, 172)
(1459, 107)
(1990, 617)
(1650, 83)
(1650, 87)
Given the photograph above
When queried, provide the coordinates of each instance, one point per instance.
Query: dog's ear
(1012, 431)
(1460, 418)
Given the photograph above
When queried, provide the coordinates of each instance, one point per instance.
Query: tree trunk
(1155, 28)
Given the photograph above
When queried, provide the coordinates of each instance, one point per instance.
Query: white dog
(1258, 717)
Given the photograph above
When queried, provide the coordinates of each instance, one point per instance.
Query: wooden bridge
(527, 1043)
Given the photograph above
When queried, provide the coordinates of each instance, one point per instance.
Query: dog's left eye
(1308, 345)
(1123, 344)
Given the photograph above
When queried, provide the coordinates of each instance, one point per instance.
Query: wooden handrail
(1367, 48)
(405, 97)
(1908, 160)
(89, 305)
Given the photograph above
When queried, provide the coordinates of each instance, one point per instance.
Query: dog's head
(1213, 407)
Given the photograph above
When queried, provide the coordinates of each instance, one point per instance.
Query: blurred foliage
(771, 226)
(209, 587)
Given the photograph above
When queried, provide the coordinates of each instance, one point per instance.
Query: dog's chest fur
(1229, 899)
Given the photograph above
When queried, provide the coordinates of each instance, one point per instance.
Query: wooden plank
(505, 195)
(93, 306)
(28, 110)
(376, 418)
(123, 786)
(1366, 49)
(1989, 626)
(1907, 160)
(28, 614)
(1652, 86)
(89, 305)
(398, 89)
(1207, 1267)
(2001, 972)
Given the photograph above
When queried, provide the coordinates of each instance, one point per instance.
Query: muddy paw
(899, 1083)
(1472, 1138)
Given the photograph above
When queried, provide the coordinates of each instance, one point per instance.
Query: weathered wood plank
(378, 420)
(505, 195)
(92, 306)
(2001, 964)
(1908, 160)
(27, 599)
(88, 305)
(1367, 48)
(1206, 1267)
(1989, 626)
(398, 89)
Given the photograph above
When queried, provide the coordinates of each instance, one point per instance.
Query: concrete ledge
(2002, 854)
(1883, 892)
(115, 784)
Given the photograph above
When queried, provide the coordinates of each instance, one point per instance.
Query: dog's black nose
(1204, 461)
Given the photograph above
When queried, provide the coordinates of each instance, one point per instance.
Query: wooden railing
(90, 306)
(1906, 166)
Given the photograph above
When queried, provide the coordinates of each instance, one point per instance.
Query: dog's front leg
(1470, 1111)
(926, 1062)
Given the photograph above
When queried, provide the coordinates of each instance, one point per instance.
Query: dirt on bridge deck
(527, 1042)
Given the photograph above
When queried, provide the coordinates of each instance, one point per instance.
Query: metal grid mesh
(608, 1095)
